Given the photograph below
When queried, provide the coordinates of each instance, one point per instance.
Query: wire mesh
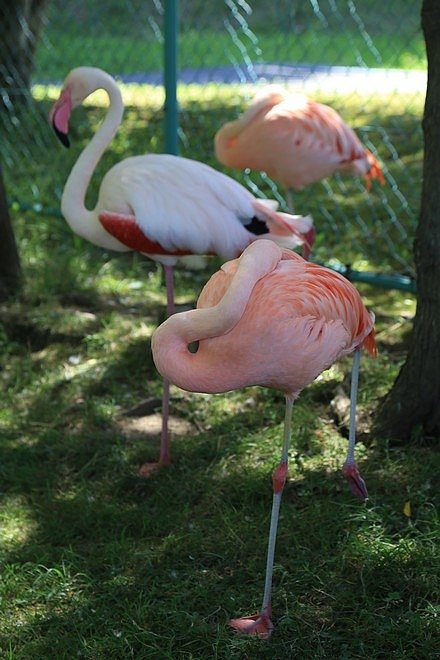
(364, 58)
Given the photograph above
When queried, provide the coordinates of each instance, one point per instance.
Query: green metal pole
(399, 282)
(170, 76)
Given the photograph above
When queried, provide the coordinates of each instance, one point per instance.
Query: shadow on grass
(192, 539)
(120, 564)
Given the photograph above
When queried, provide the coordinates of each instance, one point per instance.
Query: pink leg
(169, 283)
(164, 439)
(350, 469)
(261, 624)
(164, 457)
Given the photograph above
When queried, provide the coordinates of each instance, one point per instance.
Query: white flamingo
(161, 205)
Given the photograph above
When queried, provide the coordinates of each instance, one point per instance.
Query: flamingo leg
(261, 624)
(169, 284)
(164, 458)
(350, 469)
(164, 455)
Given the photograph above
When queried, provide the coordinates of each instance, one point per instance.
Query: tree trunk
(412, 408)
(20, 23)
(10, 271)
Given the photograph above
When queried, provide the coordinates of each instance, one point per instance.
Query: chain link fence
(365, 58)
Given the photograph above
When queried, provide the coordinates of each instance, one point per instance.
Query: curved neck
(73, 200)
(197, 371)
(224, 139)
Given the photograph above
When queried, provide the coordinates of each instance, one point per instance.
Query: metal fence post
(170, 75)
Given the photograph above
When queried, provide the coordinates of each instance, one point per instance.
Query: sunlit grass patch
(16, 523)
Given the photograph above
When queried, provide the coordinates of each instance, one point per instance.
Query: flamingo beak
(59, 116)
(355, 481)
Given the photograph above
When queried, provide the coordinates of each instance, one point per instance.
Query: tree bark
(10, 271)
(20, 24)
(412, 407)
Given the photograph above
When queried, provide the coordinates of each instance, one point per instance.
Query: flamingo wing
(182, 205)
(311, 142)
(125, 228)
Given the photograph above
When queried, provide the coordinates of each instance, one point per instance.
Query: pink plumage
(269, 318)
(295, 140)
(297, 320)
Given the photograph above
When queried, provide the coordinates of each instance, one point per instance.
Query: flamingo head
(79, 84)
(374, 171)
(60, 114)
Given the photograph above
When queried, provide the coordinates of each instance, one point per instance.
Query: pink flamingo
(269, 318)
(294, 140)
(161, 205)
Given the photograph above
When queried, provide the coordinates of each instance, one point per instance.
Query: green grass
(126, 38)
(118, 53)
(97, 562)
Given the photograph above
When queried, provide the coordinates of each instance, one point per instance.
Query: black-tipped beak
(59, 116)
(63, 137)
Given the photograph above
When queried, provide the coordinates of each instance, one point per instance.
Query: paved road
(308, 78)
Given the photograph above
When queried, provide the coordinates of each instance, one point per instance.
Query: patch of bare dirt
(134, 428)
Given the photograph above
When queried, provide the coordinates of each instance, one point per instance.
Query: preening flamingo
(269, 318)
(294, 140)
(161, 205)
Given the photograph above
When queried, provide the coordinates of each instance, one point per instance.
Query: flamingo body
(298, 319)
(184, 207)
(294, 140)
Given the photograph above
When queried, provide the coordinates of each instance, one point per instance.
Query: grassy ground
(98, 563)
